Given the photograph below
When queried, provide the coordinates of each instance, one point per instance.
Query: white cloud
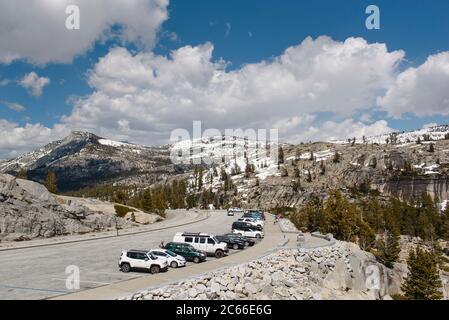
(156, 94)
(35, 29)
(422, 91)
(34, 84)
(13, 106)
(332, 130)
(142, 97)
(17, 140)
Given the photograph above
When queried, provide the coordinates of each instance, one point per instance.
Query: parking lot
(39, 273)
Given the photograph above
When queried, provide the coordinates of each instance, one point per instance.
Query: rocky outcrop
(341, 271)
(28, 211)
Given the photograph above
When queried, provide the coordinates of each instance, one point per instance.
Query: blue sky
(241, 32)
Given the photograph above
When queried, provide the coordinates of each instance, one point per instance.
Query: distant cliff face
(412, 187)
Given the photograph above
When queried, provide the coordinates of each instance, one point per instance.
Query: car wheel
(235, 246)
(196, 260)
(155, 269)
(258, 236)
(246, 243)
(174, 264)
(219, 254)
(125, 268)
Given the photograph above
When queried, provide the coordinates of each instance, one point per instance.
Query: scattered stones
(300, 274)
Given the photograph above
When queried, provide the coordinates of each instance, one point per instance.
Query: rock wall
(28, 211)
(411, 187)
(341, 271)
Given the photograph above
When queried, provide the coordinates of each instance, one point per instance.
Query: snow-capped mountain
(430, 133)
(83, 159)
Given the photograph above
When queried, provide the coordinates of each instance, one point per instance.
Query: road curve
(39, 272)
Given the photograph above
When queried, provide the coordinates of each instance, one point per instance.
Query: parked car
(174, 260)
(232, 242)
(142, 260)
(203, 242)
(187, 251)
(256, 214)
(231, 212)
(249, 232)
(244, 224)
(248, 241)
(254, 222)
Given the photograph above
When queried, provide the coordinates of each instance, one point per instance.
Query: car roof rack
(197, 234)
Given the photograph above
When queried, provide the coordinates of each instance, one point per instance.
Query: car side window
(203, 240)
(142, 256)
(210, 241)
(189, 239)
(157, 253)
(197, 240)
(130, 255)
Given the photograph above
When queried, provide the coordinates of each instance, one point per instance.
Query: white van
(203, 242)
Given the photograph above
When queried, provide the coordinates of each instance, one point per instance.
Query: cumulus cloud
(34, 84)
(341, 130)
(422, 91)
(143, 97)
(155, 94)
(35, 29)
(17, 140)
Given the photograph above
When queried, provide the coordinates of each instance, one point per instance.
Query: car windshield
(171, 253)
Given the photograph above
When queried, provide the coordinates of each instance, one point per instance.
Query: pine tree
(341, 217)
(418, 141)
(22, 174)
(423, 281)
(296, 173)
(322, 168)
(51, 183)
(388, 248)
(431, 148)
(281, 155)
(336, 158)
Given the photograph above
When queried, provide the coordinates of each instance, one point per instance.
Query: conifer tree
(22, 174)
(322, 168)
(341, 217)
(423, 281)
(336, 158)
(281, 155)
(388, 248)
(51, 183)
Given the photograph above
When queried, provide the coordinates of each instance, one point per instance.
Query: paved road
(39, 273)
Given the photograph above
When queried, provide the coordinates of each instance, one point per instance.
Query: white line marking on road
(94, 282)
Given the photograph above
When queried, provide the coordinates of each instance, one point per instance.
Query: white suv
(142, 260)
(254, 222)
(174, 260)
(203, 242)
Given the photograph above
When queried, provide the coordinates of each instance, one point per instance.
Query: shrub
(121, 211)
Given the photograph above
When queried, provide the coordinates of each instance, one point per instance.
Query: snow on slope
(434, 133)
